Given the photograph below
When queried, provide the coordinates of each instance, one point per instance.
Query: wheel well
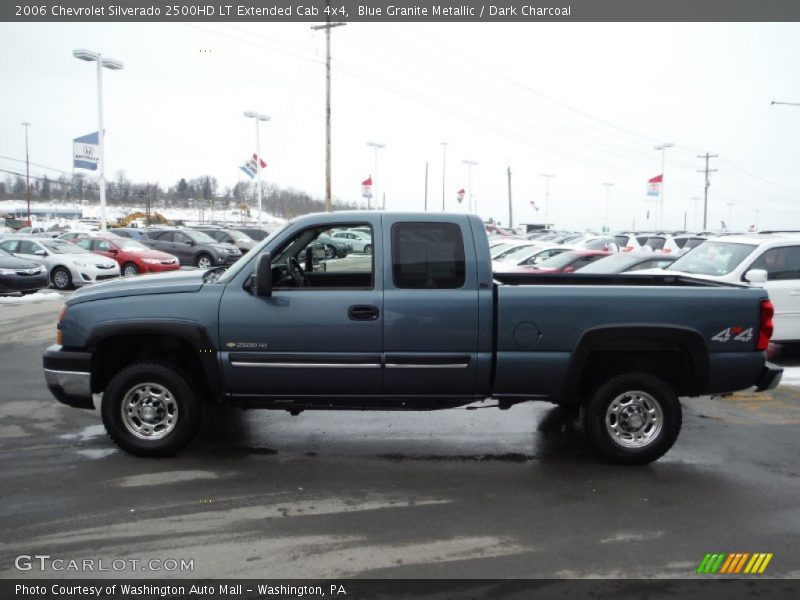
(675, 368)
(114, 353)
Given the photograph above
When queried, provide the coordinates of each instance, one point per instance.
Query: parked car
(67, 265)
(629, 262)
(193, 248)
(334, 248)
(254, 233)
(687, 241)
(607, 243)
(527, 256)
(508, 244)
(72, 236)
(358, 240)
(132, 257)
(769, 261)
(664, 243)
(19, 275)
(229, 236)
(133, 233)
(567, 262)
(31, 231)
(423, 325)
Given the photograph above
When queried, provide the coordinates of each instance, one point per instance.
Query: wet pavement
(457, 494)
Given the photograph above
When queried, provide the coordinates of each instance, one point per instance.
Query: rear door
(783, 285)
(431, 307)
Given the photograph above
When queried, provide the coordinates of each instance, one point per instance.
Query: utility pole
(376, 146)
(426, 186)
(547, 178)
(510, 205)
(471, 203)
(26, 124)
(444, 167)
(327, 27)
(707, 156)
(663, 149)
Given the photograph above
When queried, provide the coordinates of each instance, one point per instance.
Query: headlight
(151, 261)
(7, 271)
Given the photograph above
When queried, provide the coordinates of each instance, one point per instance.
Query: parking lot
(450, 494)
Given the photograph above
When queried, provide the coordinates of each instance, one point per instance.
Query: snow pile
(37, 297)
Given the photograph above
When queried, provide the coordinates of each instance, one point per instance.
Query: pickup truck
(421, 323)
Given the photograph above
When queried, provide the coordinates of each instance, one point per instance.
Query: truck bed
(624, 279)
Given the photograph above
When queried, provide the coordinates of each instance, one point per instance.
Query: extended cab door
(323, 339)
(431, 324)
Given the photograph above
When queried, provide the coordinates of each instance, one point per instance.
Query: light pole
(472, 208)
(377, 146)
(26, 124)
(663, 149)
(113, 65)
(547, 178)
(608, 187)
(257, 117)
(444, 166)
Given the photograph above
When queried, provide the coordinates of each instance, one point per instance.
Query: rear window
(428, 256)
(656, 243)
(713, 258)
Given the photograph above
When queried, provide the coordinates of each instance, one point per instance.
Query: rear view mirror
(263, 285)
(756, 276)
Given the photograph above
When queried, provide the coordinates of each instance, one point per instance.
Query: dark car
(19, 275)
(334, 248)
(254, 233)
(567, 262)
(629, 262)
(192, 247)
(131, 232)
(229, 236)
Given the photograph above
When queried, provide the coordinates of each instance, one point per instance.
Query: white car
(67, 265)
(768, 261)
(508, 244)
(527, 255)
(358, 240)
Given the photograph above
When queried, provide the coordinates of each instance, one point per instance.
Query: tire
(368, 249)
(61, 278)
(203, 261)
(129, 270)
(171, 421)
(615, 418)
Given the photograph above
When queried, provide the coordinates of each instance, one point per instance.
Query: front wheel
(633, 418)
(204, 261)
(151, 409)
(129, 270)
(368, 249)
(61, 278)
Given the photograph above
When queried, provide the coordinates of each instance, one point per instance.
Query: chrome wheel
(61, 279)
(204, 262)
(149, 411)
(634, 419)
(130, 270)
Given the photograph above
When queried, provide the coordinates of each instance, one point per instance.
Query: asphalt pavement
(450, 494)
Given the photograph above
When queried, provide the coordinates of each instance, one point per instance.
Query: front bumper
(770, 377)
(23, 283)
(68, 376)
(86, 275)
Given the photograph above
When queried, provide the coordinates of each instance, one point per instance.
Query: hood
(91, 257)
(225, 247)
(12, 262)
(172, 282)
(150, 253)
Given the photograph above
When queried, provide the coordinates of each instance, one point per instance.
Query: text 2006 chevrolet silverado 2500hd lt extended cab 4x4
(418, 324)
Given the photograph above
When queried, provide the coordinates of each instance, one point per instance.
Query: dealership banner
(86, 151)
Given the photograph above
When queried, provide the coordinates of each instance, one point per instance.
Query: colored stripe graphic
(734, 563)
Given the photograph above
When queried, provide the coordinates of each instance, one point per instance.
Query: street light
(663, 149)
(547, 178)
(472, 208)
(113, 65)
(377, 146)
(444, 166)
(258, 117)
(608, 187)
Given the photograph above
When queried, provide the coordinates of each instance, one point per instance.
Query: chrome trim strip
(74, 383)
(427, 366)
(285, 365)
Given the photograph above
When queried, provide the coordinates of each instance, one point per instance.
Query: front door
(783, 286)
(319, 334)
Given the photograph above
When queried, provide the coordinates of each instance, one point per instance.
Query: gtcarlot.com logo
(45, 562)
(734, 563)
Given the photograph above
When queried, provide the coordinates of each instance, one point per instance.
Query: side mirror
(756, 276)
(263, 285)
(40, 253)
(569, 269)
(189, 243)
(113, 251)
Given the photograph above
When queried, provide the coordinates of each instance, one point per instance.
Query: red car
(566, 262)
(133, 257)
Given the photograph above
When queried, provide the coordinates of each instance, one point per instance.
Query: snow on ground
(37, 297)
(791, 376)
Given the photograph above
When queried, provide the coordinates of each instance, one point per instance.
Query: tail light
(61, 314)
(666, 250)
(765, 327)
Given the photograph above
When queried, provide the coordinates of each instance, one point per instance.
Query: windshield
(61, 247)
(238, 235)
(712, 258)
(125, 244)
(516, 254)
(236, 267)
(609, 264)
(559, 261)
(203, 238)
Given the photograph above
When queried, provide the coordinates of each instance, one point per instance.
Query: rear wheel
(633, 418)
(61, 278)
(368, 249)
(151, 409)
(129, 270)
(204, 261)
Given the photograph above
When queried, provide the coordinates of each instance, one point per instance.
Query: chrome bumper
(72, 382)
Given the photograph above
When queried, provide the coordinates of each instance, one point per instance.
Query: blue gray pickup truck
(421, 323)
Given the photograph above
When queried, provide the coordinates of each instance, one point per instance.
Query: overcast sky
(584, 102)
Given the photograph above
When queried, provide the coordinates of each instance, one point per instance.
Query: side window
(9, 246)
(86, 244)
(428, 256)
(28, 248)
(126, 234)
(181, 238)
(780, 263)
(102, 246)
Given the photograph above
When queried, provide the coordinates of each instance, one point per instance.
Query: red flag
(367, 181)
(656, 179)
(261, 162)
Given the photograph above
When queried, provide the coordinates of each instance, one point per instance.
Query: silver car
(67, 265)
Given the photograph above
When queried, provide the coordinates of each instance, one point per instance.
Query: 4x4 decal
(737, 334)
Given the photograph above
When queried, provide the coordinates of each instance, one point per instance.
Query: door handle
(363, 312)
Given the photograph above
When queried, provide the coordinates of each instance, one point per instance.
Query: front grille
(27, 272)
(105, 266)
(101, 277)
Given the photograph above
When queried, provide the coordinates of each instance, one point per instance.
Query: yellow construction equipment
(154, 218)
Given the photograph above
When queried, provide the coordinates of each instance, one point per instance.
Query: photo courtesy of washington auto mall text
(395, 300)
